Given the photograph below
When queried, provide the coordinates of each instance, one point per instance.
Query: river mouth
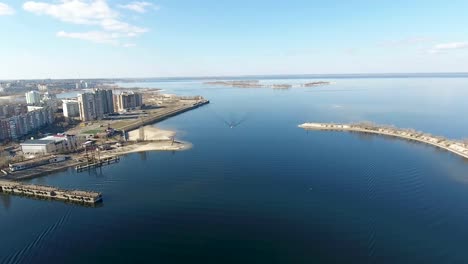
(266, 191)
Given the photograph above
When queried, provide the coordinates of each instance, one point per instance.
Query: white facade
(90, 106)
(33, 97)
(50, 145)
(38, 147)
(71, 108)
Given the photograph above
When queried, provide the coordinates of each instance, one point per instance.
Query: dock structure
(457, 147)
(97, 163)
(163, 115)
(47, 192)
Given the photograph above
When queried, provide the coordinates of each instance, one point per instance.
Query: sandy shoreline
(150, 138)
(148, 146)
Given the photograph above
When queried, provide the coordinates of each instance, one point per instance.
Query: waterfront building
(71, 108)
(93, 106)
(128, 100)
(106, 99)
(7, 111)
(90, 107)
(33, 98)
(38, 146)
(16, 126)
(59, 143)
(4, 130)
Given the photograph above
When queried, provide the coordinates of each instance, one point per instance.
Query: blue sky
(125, 38)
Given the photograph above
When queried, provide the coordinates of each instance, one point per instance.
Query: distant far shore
(258, 84)
(112, 80)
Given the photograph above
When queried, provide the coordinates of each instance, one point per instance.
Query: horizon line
(316, 75)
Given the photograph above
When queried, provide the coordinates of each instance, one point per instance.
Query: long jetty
(163, 115)
(47, 192)
(453, 146)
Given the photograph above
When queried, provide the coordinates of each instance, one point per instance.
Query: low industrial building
(36, 163)
(59, 143)
(38, 146)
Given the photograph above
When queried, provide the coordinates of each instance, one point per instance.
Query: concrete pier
(47, 192)
(100, 163)
(456, 147)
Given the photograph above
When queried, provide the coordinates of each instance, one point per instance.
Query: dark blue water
(267, 191)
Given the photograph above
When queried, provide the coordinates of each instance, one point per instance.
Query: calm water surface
(267, 191)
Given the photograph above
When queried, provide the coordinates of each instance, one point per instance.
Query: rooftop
(38, 142)
(46, 140)
(55, 138)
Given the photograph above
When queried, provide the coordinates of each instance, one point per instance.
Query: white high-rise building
(90, 106)
(107, 100)
(127, 100)
(71, 108)
(33, 98)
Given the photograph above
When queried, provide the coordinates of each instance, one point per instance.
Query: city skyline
(137, 39)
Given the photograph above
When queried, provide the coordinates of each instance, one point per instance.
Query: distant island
(258, 84)
(312, 84)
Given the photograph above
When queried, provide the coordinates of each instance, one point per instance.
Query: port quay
(25, 170)
(47, 192)
(456, 147)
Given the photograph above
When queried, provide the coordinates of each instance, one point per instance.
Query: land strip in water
(457, 147)
(160, 115)
(140, 138)
(258, 84)
(47, 192)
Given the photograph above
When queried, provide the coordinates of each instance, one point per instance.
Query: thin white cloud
(405, 41)
(87, 12)
(6, 10)
(443, 47)
(140, 7)
(73, 11)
